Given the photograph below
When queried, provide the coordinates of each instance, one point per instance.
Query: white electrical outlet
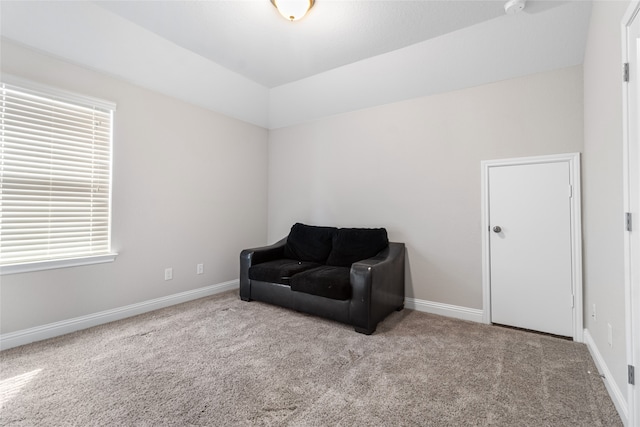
(593, 313)
(200, 269)
(168, 273)
(609, 334)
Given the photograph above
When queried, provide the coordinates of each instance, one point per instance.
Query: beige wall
(602, 177)
(189, 186)
(414, 168)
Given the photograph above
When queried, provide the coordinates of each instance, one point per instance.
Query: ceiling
(250, 37)
(242, 59)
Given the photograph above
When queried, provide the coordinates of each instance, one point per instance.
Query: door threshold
(562, 337)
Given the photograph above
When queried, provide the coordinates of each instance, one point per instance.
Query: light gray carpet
(219, 361)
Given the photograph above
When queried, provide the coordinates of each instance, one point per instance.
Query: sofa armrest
(249, 257)
(378, 287)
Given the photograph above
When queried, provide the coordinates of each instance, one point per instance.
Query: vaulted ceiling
(250, 38)
(256, 64)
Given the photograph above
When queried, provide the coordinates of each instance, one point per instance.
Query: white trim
(26, 336)
(614, 392)
(573, 159)
(486, 261)
(56, 263)
(632, 306)
(441, 309)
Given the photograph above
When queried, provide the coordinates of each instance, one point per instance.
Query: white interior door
(531, 246)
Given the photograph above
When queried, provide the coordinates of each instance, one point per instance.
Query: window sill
(54, 264)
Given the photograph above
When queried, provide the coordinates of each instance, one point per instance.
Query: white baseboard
(38, 333)
(615, 393)
(448, 310)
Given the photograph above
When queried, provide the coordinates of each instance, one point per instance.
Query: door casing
(573, 160)
(631, 186)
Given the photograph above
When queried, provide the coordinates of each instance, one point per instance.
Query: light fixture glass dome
(293, 9)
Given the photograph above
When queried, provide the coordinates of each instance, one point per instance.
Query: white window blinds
(55, 176)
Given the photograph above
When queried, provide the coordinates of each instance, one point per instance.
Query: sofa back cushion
(355, 244)
(309, 243)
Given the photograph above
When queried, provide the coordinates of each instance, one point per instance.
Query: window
(55, 179)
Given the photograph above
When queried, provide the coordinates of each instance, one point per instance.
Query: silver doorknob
(497, 229)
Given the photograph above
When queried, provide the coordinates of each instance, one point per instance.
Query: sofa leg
(364, 330)
(400, 308)
(245, 298)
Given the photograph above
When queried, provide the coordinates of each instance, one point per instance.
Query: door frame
(631, 164)
(573, 160)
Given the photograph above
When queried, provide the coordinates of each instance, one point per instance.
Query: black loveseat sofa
(351, 275)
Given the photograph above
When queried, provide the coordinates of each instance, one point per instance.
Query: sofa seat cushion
(355, 244)
(309, 243)
(325, 281)
(279, 271)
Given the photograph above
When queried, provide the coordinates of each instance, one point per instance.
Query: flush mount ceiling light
(293, 9)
